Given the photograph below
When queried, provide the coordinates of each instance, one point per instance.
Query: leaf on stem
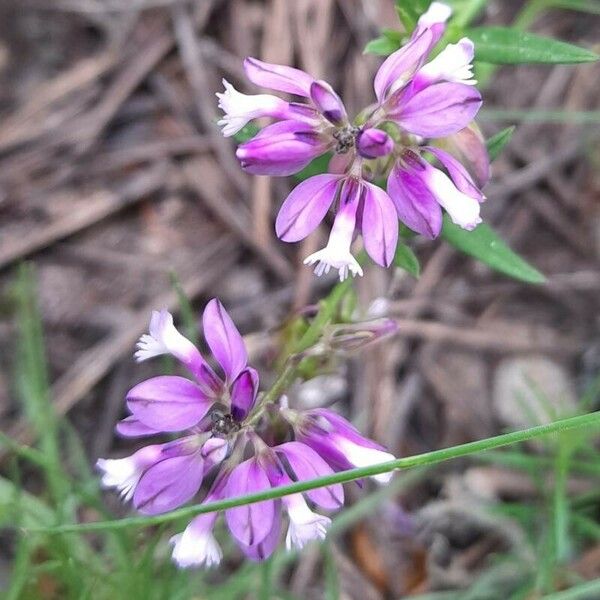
(484, 244)
(507, 46)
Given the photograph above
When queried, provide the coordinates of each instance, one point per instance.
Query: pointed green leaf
(484, 244)
(409, 12)
(381, 46)
(588, 6)
(496, 143)
(405, 259)
(506, 46)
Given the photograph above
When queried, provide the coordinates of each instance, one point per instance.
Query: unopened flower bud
(359, 335)
(373, 143)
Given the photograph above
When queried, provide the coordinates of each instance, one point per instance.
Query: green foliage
(496, 144)
(484, 244)
(409, 12)
(315, 167)
(508, 46)
(406, 259)
(389, 41)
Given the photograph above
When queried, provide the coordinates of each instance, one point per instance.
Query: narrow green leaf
(405, 259)
(315, 167)
(332, 581)
(580, 117)
(484, 244)
(418, 460)
(188, 314)
(587, 6)
(246, 133)
(507, 46)
(409, 12)
(497, 142)
(381, 46)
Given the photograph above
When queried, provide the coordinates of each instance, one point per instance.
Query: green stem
(327, 310)
(469, 12)
(310, 338)
(428, 458)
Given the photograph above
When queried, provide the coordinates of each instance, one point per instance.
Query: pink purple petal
(265, 547)
(283, 148)
(169, 483)
(249, 524)
(305, 207)
(224, 340)
(438, 110)
(459, 175)
(132, 427)
(416, 206)
(379, 224)
(328, 103)
(399, 67)
(168, 403)
(243, 393)
(307, 464)
(278, 77)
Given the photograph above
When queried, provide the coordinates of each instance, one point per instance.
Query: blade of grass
(332, 582)
(583, 591)
(428, 458)
(32, 383)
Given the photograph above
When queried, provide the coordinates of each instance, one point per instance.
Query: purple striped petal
(170, 482)
(305, 207)
(335, 423)
(379, 225)
(397, 69)
(328, 103)
(278, 77)
(132, 427)
(460, 176)
(168, 403)
(243, 393)
(417, 207)
(266, 547)
(283, 148)
(438, 110)
(124, 473)
(249, 524)
(307, 464)
(224, 340)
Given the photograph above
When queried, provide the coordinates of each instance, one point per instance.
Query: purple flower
(338, 442)
(420, 190)
(162, 477)
(362, 207)
(256, 527)
(421, 106)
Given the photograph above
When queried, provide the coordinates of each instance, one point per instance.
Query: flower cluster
(417, 135)
(225, 440)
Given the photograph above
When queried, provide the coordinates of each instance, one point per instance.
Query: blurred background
(118, 189)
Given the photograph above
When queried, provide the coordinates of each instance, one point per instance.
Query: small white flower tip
(299, 534)
(383, 478)
(325, 259)
(192, 551)
(120, 473)
(438, 12)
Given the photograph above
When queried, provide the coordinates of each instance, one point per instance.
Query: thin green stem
(428, 458)
(310, 338)
(469, 12)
